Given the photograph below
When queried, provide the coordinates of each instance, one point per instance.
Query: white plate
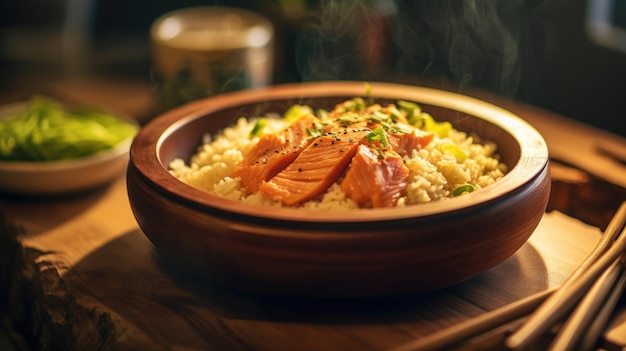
(60, 177)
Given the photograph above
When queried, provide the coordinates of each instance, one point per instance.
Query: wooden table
(95, 282)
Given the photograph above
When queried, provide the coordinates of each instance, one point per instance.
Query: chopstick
(477, 325)
(608, 249)
(590, 338)
(506, 314)
(573, 330)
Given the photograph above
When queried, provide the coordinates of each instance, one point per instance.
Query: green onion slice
(258, 128)
(296, 111)
(378, 135)
(463, 189)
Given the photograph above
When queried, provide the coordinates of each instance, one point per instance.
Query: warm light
(258, 36)
(169, 28)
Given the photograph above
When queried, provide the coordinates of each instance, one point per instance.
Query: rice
(434, 171)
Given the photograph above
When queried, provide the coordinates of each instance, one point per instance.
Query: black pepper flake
(300, 169)
(314, 144)
(276, 151)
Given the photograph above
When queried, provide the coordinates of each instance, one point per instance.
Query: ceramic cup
(204, 51)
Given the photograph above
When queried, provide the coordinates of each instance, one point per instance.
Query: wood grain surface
(95, 282)
(105, 286)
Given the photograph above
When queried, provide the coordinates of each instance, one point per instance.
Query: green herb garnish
(463, 189)
(313, 133)
(409, 107)
(379, 137)
(296, 111)
(454, 150)
(258, 128)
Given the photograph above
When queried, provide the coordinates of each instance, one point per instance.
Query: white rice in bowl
(434, 172)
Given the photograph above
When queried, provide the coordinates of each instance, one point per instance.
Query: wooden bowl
(361, 253)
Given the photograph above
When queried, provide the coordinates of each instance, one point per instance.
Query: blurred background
(567, 56)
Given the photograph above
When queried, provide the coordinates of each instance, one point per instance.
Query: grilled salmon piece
(273, 153)
(315, 169)
(405, 142)
(375, 180)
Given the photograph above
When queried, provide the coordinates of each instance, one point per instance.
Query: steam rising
(465, 42)
(348, 40)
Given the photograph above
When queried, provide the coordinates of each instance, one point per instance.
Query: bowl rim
(144, 152)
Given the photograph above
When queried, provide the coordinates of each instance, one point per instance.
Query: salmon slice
(405, 143)
(273, 153)
(315, 169)
(344, 129)
(375, 180)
